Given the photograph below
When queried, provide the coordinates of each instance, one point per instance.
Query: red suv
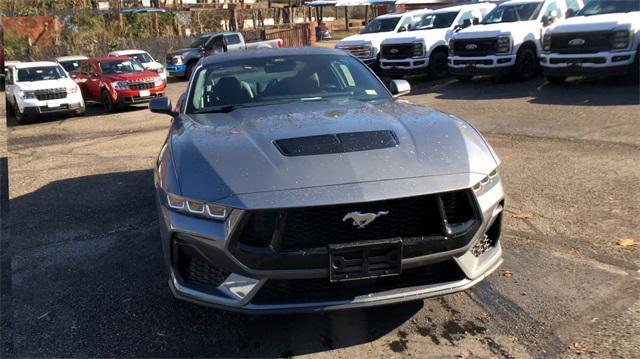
(117, 81)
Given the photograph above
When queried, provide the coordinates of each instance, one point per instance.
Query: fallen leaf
(521, 215)
(626, 242)
(507, 273)
(577, 347)
(43, 315)
(513, 338)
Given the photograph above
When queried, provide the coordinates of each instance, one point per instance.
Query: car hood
(154, 65)
(183, 52)
(374, 38)
(427, 36)
(493, 30)
(220, 155)
(46, 84)
(602, 22)
(128, 76)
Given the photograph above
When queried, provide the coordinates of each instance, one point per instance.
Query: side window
(9, 76)
(552, 11)
(233, 39)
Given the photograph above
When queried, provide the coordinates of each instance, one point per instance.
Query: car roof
(25, 65)
(217, 33)
(127, 52)
(289, 51)
(71, 58)
(516, 2)
(463, 7)
(110, 58)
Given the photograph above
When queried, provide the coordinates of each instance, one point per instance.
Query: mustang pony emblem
(363, 219)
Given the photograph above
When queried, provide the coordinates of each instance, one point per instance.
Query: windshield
(282, 79)
(200, 41)
(40, 74)
(596, 7)
(71, 65)
(381, 25)
(142, 57)
(120, 66)
(513, 13)
(440, 20)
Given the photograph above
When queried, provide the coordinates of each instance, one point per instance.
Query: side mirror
(399, 87)
(545, 20)
(402, 29)
(569, 13)
(466, 23)
(161, 105)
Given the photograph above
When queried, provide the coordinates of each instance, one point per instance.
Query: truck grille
(482, 47)
(427, 224)
(141, 85)
(359, 51)
(51, 94)
(396, 51)
(593, 42)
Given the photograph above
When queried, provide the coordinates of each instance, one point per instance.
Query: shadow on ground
(88, 280)
(92, 110)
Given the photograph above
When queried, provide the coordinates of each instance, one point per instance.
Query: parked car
(507, 41)
(71, 63)
(39, 88)
(602, 39)
(423, 48)
(145, 59)
(366, 44)
(294, 180)
(182, 62)
(118, 81)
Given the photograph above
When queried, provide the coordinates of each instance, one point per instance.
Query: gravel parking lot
(87, 277)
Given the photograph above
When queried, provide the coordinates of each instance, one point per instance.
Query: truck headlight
(487, 182)
(28, 95)
(417, 50)
(196, 208)
(546, 42)
(503, 45)
(177, 60)
(157, 82)
(160, 70)
(72, 89)
(620, 39)
(120, 85)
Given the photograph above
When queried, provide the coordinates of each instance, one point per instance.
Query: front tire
(525, 67)
(557, 80)
(107, 103)
(438, 66)
(20, 117)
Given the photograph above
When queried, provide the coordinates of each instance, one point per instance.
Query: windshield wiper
(223, 109)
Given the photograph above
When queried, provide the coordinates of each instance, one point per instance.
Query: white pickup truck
(508, 40)
(602, 39)
(423, 48)
(366, 44)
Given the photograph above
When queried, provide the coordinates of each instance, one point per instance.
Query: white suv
(36, 88)
(145, 59)
(423, 47)
(508, 40)
(603, 39)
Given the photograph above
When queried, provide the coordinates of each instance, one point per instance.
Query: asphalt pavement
(84, 269)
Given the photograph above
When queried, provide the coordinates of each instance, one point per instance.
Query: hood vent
(338, 143)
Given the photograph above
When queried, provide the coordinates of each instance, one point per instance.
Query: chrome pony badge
(363, 219)
(577, 42)
(471, 46)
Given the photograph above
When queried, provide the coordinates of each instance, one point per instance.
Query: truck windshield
(597, 7)
(71, 65)
(441, 20)
(381, 25)
(120, 66)
(513, 13)
(200, 41)
(262, 81)
(40, 74)
(142, 57)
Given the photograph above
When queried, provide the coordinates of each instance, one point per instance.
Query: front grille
(482, 47)
(51, 94)
(359, 51)
(296, 291)
(141, 85)
(593, 42)
(397, 51)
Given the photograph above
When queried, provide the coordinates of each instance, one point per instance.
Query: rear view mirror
(279, 65)
(545, 20)
(476, 21)
(161, 105)
(399, 87)
(466, 23)
(402, 29)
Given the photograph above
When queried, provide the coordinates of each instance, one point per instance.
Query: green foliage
(15, 46)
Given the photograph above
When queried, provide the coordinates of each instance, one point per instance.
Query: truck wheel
(107, 104)
(556, 79)
(464, 78)
(438, 66)
(525, 67)
(20, 117)
(10, 110)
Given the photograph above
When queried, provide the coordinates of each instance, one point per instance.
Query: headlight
(161, 70)
(620, 39)
(417, 50)
(120, 85)
(157, 82)
(503, 45)
(487, 182)
(546, 42)
(196, 208)
(72, 89)
(28, 95)
(177, 60)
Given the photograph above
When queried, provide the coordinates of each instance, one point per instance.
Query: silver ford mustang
(294, 180)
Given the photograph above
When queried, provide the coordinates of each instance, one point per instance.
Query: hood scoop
(337, 143)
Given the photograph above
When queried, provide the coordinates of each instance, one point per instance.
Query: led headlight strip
(196, 208)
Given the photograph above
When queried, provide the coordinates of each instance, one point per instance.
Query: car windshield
(120, 66)
(142, 57)
(596, 7)
(200, 41)
(40, 74)
(513, 13)
(71, 65)
(381, 25)
(280, 79)
(439, 20)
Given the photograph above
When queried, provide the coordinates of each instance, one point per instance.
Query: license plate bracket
(365, 260)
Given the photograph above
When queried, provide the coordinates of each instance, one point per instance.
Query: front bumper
(243, 288)
(604, 63)
(73, 103)
(176, 70)
(130, 97)
(408, 66)
(481, 65)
